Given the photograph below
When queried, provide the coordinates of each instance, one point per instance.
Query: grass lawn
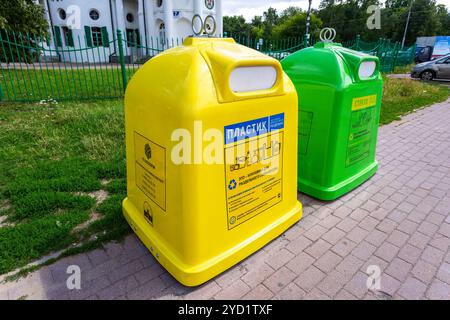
(404, 69)
(54, 160)
(401, 96)
(59, 83)
(62, 171)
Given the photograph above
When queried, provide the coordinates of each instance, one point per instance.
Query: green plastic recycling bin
(339, 93)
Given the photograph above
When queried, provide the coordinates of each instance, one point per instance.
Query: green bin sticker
(360, 135)
(304, 131)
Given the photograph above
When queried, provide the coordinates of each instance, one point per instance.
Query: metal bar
(83, 69)
(3, 74)
(107, 73)
(122, 60)
(14, 69)
(77, 66)
(33, 64)
(54, 73)
(116, 71)
(89, 63)
(70, 79)
(25, 58)
(62, 87)
(41, 75)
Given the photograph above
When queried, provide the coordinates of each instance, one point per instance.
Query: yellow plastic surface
(181, 211)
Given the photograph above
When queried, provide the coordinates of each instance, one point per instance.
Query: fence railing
(391, 54)
(33, 70)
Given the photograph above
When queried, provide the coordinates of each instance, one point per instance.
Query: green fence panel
(35, 69)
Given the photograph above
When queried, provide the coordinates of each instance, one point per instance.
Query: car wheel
(427, 75)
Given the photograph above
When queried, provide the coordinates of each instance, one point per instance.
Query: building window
(209, 4)
(67, 36)
(130, 17)
(62, 14)
(94, 14)
(159, 3)
(96, 36)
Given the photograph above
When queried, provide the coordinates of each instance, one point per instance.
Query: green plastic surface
(338, 119)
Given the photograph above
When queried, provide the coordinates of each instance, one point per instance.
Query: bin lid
(331, 63)
(205, 71)
(238, 71)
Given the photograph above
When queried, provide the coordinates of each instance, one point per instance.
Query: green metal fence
(32, 70)
(276, 48)
(391, 54)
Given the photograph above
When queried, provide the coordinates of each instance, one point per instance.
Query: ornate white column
(120, 16)
(142, 31)
(198, 7)
(50, 31)
(219, 18)
(168, 21)
(150, 19)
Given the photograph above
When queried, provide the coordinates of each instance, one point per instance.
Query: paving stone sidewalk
(399, 221)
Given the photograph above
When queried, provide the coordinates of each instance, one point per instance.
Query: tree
(443, 18)
(426, 19)
(349, 18)
(289, 12)
(257, 27)
(23, 16)
(270, 19)
(294, 26)
(236, 25)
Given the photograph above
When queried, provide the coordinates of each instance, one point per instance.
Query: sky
(250, 8)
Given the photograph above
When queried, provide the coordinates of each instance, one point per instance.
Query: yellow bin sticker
(364, 102)
(150, 169)
(253, 167)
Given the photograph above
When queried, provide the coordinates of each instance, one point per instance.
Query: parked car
(423, 54)
(435, 69)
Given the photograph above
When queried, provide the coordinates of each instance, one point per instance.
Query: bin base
(193, 275)
(334, 192)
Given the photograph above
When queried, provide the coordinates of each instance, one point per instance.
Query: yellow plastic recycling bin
(211, 140)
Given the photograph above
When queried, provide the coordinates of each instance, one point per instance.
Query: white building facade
(156, 24)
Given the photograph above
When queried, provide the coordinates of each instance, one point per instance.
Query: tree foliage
(23, 16)
(349, 18)
(291, 22)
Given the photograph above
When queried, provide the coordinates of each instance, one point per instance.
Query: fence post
(358, 38)
(122, 60)
(394, 60)
(413, 53)
(6, 62)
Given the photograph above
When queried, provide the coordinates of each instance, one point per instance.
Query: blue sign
(441, 46)
(253, 128)
(176, 14)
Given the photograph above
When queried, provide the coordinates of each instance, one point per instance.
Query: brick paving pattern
(398, 221)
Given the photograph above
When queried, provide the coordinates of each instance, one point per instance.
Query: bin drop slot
(367, 69)
(255, 78)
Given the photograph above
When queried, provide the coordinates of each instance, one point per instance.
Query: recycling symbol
(232, 184)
